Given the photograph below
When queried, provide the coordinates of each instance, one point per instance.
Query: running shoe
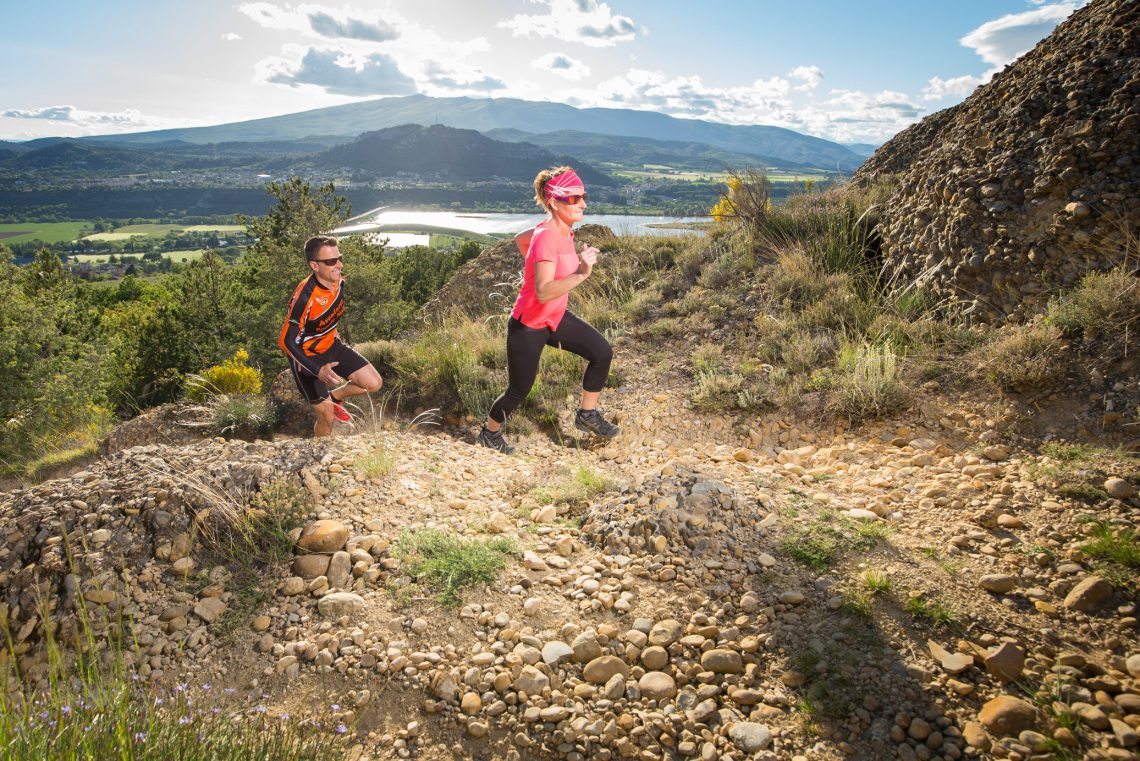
(592, 421)
(494, 440)
(339, 412)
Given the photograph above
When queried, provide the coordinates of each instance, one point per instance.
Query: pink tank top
(547, 245)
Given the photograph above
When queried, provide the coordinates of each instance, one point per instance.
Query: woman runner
(553, 268)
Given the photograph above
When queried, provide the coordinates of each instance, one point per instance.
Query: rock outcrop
(1031, 182)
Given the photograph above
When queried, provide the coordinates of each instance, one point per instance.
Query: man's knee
(368, 379)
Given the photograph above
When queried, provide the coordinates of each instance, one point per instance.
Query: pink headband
(565, 184)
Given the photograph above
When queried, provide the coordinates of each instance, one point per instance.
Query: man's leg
(324, 413)
(364, 381)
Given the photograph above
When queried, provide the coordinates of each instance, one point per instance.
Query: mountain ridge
(483, 114)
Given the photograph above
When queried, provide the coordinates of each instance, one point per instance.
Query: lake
(501, 224)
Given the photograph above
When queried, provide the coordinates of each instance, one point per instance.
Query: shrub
(447, 563)
(1023, 357)
(1103, 303)
(574, 488)
(242, 416)
(232, 377)
(747, 198)
(378, 462)
(866, 382)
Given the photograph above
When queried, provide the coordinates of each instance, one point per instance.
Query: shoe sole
(592, 432)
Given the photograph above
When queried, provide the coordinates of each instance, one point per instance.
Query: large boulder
(1030, 182)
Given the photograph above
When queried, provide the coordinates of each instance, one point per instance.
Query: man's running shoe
(494, 440)
(339, 412)
(592, 421)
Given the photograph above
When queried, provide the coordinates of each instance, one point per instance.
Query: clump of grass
(1121, 547)
(867, 381)
(1104, 303)
(934, 612)
(378, 462)
(447, 563)
(876, 581)
(1023, 357)
(243, 416)
(576, 487)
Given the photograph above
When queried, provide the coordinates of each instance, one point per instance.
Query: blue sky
(842, 70)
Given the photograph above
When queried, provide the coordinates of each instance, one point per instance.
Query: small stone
(477, 729)
(1006, 662)
(323, 536)
(996, 452)
(531, 681)
(976, 736)
(209, 609)
(339, 604)
(261, 623)
(750, 737)
(1089, 594)
(310, 566)
(602, 668)
(720, 661)
(657, 685)
(951, 663)
(555, 652)
(1006, 716)
(1118, 488)
(471, 703)
(654, 657)
(998, 583)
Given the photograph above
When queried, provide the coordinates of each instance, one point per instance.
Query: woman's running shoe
(592, 421)
(494, 440)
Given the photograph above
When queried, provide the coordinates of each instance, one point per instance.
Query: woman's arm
(522, 240)
(546, 288)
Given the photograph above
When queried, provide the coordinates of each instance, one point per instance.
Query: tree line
(74, 356)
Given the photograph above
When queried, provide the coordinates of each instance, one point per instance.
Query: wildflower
(207, 686)
(284, 717)
(181, 687)
(140, 736)
(341, 729)
(260, 709)
(185, 720)
(335, 706)
(229, 690)
(159, 701)
(65, 710)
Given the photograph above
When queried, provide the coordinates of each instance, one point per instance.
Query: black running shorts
(313, 388)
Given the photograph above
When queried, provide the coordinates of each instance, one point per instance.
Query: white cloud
(337, 72)
(956, 87)
(438, 79)
(811, 76)
(562, 65)
(586, 21)
(1002, 40)
(130, 119)
(231, 36)
(322, 21)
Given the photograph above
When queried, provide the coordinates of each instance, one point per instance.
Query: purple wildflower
(284, 717)
(140, 736)
(185, 720)
(260, 709)
(207, 686)
(341, 729)
(335, 706)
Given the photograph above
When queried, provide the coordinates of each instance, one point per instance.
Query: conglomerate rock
(1030, 183)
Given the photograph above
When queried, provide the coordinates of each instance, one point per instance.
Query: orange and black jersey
(310, 325)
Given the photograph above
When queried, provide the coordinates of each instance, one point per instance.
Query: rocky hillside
(1030, 182)
(696, 589)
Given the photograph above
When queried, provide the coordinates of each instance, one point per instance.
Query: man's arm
(292, 330)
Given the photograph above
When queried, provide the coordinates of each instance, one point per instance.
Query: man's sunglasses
(572, 199)
(329, 262)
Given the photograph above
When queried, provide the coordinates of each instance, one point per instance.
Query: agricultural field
(159, 230)
(176, 257)
(48, 232)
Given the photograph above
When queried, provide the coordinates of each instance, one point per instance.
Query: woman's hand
(587, 257)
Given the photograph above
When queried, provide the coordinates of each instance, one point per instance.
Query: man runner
(318, 359)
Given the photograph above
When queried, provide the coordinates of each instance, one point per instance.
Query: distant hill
(632, 151)
(449, 153)
(72, 155)
(862, 149)
(485, 114)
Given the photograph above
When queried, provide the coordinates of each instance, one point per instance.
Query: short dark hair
(314, 244)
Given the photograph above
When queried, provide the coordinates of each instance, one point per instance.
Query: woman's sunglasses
(571, 200)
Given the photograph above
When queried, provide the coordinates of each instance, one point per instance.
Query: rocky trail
(705, 587)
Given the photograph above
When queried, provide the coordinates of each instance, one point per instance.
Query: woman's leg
(524, 349)
(579, 337)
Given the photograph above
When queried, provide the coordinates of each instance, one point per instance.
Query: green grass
(828, 538)
(378, 462)
(447, 564)
(876, 581)
(48, 232)
(934, 612)
(1121, 547)
(188, 255)
(575, 487)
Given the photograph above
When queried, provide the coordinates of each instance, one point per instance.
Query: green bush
(1023, 357)
(1105, 303)
(867, 381)
(241, 415)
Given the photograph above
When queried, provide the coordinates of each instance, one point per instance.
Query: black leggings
(524, 348)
